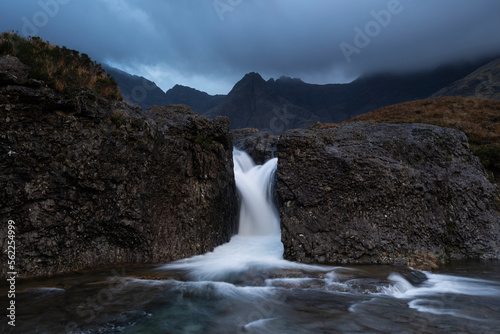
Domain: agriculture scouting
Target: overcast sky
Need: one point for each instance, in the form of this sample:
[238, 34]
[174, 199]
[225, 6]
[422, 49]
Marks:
[211, 44]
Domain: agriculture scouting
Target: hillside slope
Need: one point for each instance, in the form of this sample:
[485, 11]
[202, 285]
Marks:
[339, 102]
[137, 90]
[199, 101]
[483, 82]
[65, 71]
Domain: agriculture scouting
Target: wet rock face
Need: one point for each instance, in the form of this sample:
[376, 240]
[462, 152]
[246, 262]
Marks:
[91, 182]
[261, 146]
[384, 193]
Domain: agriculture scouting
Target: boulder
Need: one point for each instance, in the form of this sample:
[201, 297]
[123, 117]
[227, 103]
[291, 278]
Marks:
[384, 193]
[13, 71]
[91, 182]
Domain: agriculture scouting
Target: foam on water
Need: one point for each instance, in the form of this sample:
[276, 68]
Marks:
[437, 307]
[257, 248]
[258, 215]
[258, 326]
[240, 254]
[258, 242]
[430, 296]
[438, 284]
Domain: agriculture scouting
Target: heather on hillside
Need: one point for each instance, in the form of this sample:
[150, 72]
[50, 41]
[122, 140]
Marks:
[64, 70]
[478, 118]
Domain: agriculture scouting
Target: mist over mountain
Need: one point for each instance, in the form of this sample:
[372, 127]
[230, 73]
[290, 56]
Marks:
[277, 105]
[145, 93]
[339, 102]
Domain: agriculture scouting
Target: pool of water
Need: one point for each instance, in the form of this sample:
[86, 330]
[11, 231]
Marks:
[463, 297]
[245, 286]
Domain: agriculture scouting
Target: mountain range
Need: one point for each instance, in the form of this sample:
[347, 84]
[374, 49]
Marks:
[280, 104]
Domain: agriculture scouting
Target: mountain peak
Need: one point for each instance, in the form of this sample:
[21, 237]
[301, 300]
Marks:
[199, 101]
[287, 79]
[253, 103]
[251, 79]
[178, 86]
[253, 75]
[182, 88]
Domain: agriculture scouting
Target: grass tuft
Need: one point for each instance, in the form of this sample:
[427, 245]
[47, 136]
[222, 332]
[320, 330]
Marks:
[66, 71]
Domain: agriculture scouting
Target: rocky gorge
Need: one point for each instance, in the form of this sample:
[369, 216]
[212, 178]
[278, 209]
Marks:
[92, 182]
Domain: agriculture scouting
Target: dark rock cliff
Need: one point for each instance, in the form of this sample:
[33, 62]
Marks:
[91, 182]
[384, 193]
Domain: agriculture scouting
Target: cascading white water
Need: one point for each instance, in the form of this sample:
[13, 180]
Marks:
[258, 242]
[257, 246]
[246, 286]
[258, 215]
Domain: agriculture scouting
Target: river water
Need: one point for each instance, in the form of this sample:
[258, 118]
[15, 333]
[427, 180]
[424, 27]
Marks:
[245, 286]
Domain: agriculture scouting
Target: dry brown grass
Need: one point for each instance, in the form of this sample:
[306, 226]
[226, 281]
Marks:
[478, 118]
[423, 261]
[66, 71]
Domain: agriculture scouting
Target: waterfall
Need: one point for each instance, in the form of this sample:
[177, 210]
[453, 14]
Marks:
[258, 242]
[258, 214]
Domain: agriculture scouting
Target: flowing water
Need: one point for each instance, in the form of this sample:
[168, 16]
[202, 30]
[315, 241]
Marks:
[245, 286]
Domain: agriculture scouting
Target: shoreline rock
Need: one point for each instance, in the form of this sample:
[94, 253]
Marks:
[91, 182]
[367, 193]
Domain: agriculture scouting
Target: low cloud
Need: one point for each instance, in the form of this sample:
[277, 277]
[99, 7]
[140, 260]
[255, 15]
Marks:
[210, 45]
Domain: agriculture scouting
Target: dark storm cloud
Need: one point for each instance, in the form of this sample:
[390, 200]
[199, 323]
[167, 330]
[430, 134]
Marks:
[210, 44]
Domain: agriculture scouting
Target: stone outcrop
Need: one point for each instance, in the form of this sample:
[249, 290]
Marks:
[384, 193]
[13, 71]
[261, 146]
[91, 182]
